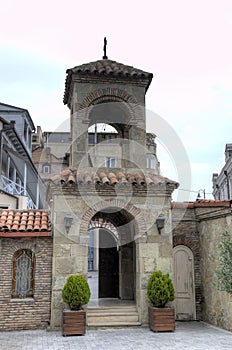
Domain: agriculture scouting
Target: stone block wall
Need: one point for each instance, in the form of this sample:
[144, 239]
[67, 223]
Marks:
[27, 313]
[217, 305]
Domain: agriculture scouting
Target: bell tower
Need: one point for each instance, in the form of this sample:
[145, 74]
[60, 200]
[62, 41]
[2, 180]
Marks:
[111, 93]
[117, 204]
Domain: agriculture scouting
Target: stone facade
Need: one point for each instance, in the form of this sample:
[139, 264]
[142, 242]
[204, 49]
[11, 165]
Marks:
[26, 313]
[152, 250]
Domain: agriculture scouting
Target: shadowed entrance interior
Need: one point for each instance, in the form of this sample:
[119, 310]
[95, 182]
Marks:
[111, 257]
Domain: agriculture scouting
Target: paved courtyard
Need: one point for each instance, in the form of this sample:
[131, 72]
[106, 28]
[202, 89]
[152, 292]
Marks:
[191, 336]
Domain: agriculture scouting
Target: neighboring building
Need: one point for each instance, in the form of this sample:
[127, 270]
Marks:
[51, 150]
[222, 183]
[18, 175]
[25, 269]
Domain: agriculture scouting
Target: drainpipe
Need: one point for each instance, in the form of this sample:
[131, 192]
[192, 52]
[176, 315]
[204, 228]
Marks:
[228, 184]
[25, 180]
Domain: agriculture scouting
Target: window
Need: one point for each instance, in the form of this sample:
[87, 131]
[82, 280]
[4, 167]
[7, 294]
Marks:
[150, 162]
[46, 169]
[23, 274]
[25, 132]
[91, 139]
[110, 162]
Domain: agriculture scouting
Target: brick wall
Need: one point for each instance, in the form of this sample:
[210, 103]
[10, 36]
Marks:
[28, 313]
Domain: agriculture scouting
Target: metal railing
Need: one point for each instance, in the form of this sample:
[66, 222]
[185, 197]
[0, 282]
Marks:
[14, 188]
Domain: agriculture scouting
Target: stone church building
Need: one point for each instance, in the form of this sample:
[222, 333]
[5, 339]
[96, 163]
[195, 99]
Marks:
[112, 213]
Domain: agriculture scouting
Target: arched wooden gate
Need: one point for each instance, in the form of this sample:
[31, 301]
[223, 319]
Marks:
[185, 307]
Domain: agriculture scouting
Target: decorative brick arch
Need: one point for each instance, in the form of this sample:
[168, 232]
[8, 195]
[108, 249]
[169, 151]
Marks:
[115, 203]
[111, 95]
[186, 241]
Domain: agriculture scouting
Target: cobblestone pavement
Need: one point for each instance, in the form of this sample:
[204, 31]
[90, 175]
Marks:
[188, 336]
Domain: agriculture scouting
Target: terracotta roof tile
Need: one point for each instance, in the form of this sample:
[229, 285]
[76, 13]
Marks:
[212, 203]
[24, 221]
[107, 177]
[201, 203]
[109, 67]
[105, 68]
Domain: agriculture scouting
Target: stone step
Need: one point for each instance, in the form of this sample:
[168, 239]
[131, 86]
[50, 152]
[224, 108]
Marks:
[112, 316]
[113, 324]
[111, 310]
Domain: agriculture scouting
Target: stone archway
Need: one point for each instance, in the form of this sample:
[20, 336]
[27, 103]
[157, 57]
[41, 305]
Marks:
[120, 257]
[129, 211]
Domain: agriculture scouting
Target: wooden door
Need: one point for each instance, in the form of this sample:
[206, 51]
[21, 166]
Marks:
[185, 308]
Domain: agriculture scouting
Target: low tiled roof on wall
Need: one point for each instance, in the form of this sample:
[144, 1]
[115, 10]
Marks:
[110, 177]
[24, 221]
[202, 203]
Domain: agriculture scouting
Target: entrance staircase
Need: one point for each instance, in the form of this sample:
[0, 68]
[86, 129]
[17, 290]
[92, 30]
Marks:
[113, 316]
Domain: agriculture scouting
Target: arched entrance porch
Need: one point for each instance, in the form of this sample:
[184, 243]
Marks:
[111, 255]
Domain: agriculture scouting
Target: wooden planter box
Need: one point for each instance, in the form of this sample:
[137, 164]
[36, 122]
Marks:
[161, 319]
[74, 322]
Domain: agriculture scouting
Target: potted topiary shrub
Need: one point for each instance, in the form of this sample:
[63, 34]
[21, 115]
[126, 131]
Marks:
[75, 293]
[160, 291]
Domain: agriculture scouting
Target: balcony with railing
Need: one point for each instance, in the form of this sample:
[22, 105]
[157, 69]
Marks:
[16, 189]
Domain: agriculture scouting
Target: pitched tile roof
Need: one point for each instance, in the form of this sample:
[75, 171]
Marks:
[107, 68]
[24, 221]
[111, 177]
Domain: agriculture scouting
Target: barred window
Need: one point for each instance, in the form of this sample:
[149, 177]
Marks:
[23, 274]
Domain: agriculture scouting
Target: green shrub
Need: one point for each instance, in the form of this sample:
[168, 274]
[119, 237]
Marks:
[76, 292]
[160, 289]
[224, 272]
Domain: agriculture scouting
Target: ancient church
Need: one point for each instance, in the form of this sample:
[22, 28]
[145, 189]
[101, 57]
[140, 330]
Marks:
[111, 216]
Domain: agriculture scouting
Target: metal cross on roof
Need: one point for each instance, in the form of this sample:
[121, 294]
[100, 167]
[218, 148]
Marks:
[104, 48]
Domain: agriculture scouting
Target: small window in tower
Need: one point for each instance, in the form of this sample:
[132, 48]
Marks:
[150, 162]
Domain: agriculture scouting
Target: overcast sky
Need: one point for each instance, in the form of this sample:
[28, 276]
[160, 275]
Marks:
[186, 44]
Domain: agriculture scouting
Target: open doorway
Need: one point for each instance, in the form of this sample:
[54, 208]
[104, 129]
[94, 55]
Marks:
[111, 255]
[103, 264]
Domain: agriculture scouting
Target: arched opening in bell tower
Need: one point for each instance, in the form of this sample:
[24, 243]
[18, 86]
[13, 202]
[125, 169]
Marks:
[112, 133]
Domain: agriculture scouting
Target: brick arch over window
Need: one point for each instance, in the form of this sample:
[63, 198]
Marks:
[112, 95]
[114, 203]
